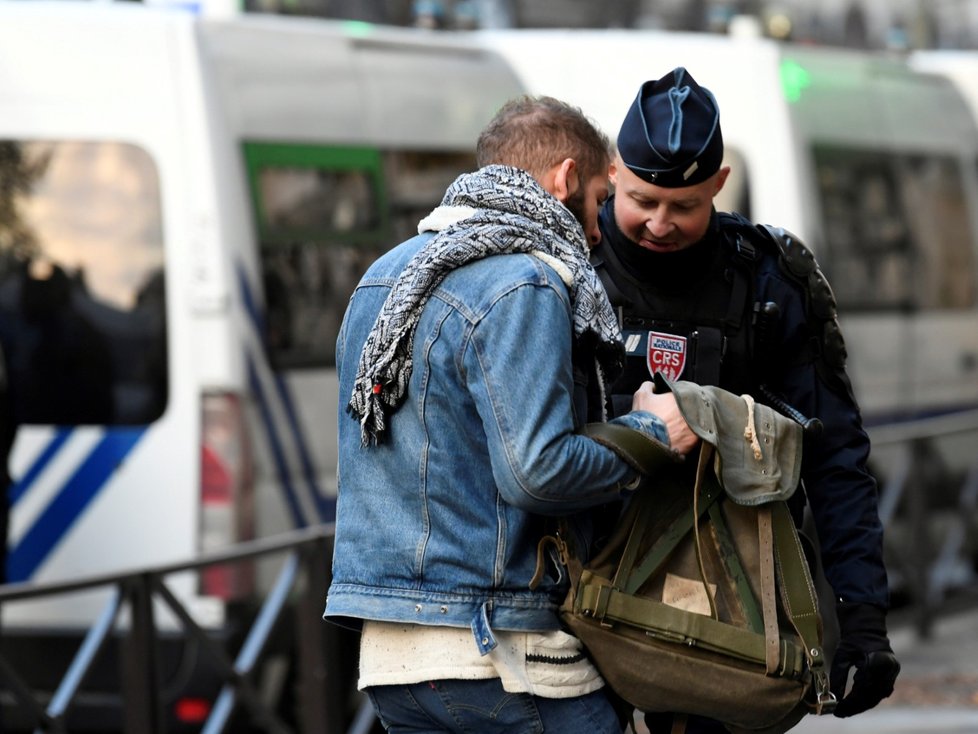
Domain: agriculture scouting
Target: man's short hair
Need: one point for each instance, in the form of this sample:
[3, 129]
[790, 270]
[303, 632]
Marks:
[537, 133]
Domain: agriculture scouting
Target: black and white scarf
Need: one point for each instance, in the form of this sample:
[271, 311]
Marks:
[494, 211]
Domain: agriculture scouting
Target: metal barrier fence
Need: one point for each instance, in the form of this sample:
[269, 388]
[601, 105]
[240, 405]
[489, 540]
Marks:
[300, 585]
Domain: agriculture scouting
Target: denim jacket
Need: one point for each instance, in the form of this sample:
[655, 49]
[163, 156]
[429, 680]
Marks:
[439, 523]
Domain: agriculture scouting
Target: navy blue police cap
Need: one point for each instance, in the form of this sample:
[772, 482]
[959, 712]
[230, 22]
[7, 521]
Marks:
[671, 133]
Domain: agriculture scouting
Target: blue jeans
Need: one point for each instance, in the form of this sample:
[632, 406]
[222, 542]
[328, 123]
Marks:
[483, 707]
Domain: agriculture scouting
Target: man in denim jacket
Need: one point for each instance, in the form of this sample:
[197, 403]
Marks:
[465, 356]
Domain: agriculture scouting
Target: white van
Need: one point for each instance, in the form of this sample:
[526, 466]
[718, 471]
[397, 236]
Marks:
[185, 206]
[958, 65]
[871, 164]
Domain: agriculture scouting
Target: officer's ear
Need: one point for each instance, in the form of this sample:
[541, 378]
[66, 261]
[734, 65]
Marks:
[562, 180]
[721, 179]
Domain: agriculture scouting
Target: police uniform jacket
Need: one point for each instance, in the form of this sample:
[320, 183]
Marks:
[737, 311]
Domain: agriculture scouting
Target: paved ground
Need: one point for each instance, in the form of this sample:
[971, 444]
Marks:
[895, 720]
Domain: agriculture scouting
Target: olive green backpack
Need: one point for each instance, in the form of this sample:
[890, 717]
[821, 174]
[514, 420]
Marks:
[702, 601]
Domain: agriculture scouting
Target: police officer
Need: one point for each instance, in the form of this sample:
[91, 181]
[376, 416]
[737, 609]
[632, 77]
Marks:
[712, 298]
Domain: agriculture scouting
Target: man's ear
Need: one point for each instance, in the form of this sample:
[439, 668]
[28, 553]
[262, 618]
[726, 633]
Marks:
[564, 180]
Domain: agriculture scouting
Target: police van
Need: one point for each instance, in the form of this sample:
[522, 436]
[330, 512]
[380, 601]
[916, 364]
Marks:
[186, 203]
[870, 162]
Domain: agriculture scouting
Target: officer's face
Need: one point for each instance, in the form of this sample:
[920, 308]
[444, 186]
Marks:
[662, 219]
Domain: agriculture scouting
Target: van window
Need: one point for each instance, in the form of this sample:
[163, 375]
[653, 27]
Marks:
[82, 303]
[897, 233]
[323, 216]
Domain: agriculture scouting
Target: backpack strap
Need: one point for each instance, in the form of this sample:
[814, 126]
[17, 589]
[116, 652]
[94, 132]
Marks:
[608, 606]
[800, 602]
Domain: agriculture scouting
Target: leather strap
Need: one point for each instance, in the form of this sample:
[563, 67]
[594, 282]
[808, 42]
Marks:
[800, 602]
[769, 604]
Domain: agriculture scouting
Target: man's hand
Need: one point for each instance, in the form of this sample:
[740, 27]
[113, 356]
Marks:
[863, 645]
[681, 436]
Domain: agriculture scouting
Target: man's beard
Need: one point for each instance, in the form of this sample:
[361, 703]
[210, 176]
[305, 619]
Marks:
[575, 204]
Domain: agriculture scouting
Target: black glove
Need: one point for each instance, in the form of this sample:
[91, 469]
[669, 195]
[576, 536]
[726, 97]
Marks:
[863, 644]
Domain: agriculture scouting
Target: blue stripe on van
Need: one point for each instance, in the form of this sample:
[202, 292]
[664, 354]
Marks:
[78, 492]
[275, 445]
[20, 487]
[325, 509]
[248, 298]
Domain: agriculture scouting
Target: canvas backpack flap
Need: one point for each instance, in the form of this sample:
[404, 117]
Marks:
[758, 450]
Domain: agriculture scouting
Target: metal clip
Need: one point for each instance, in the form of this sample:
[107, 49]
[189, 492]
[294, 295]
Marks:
[825, 703]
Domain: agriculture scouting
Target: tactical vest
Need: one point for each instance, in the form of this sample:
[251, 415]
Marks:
[703, 334]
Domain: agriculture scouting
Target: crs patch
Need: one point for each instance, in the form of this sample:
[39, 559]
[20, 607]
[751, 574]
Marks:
[666, 354]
